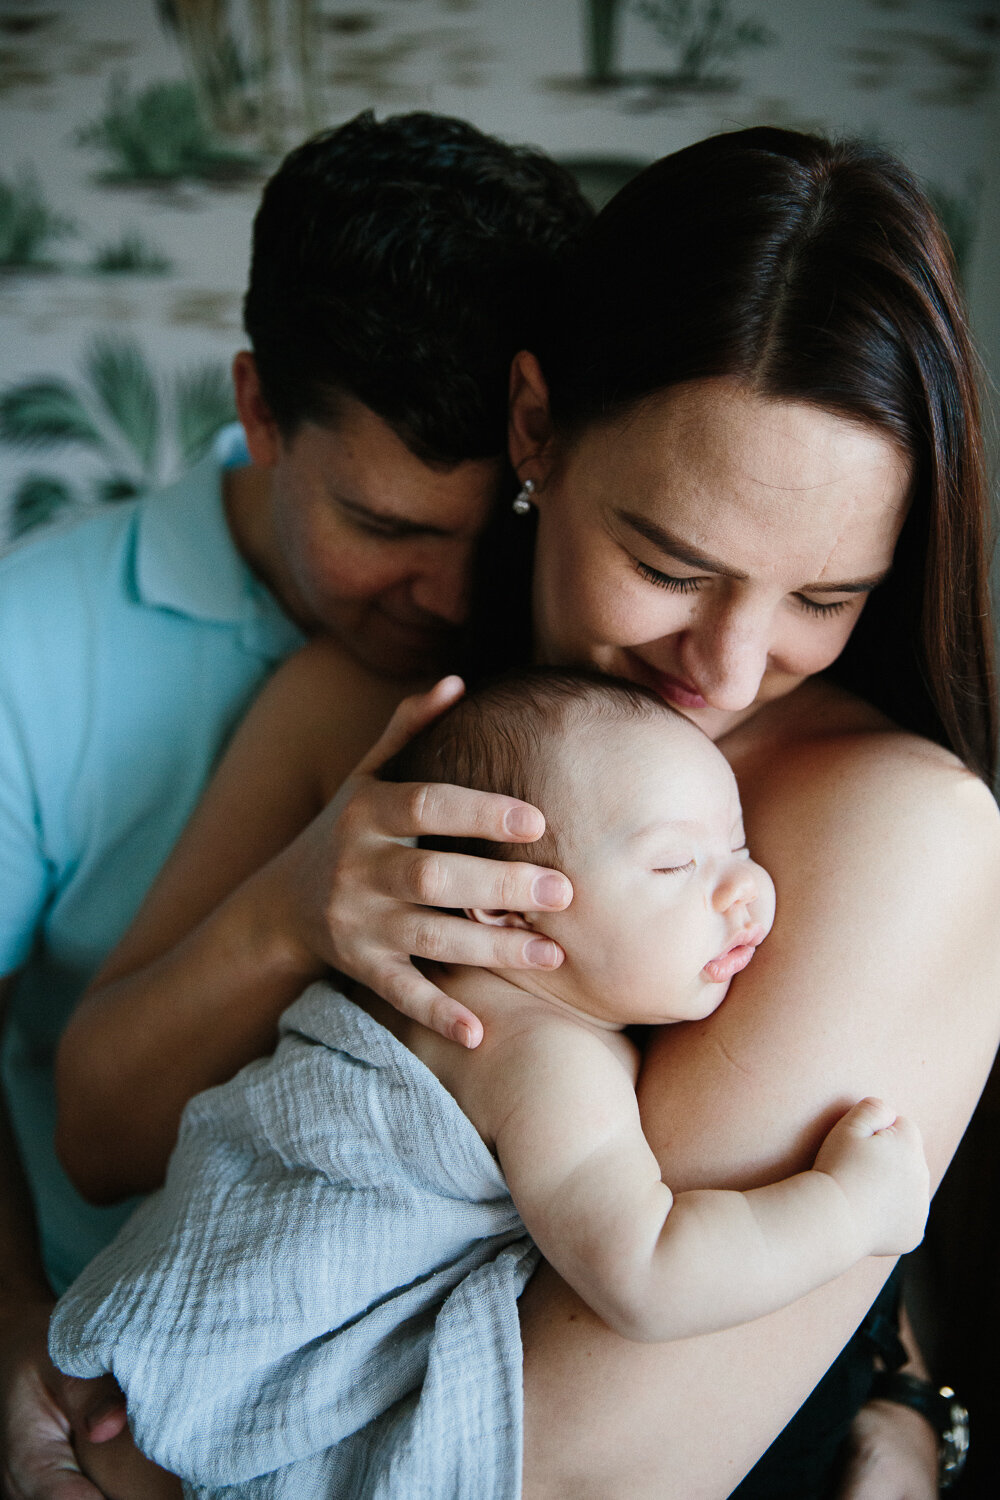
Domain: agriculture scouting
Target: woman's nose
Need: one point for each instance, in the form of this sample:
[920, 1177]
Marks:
[726, 655]
[737, 885]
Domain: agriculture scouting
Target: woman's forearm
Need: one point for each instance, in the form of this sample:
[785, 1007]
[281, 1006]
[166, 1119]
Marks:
[681, 1421]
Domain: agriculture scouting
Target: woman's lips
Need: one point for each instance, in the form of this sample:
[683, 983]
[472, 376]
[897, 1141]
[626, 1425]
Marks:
[735, 956]
[681, 694]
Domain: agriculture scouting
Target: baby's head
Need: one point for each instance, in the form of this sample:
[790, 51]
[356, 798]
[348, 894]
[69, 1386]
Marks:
[642, 814]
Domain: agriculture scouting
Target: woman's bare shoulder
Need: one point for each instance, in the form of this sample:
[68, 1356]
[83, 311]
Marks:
[844, 765]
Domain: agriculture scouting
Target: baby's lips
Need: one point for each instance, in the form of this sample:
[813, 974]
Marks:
[736, 956]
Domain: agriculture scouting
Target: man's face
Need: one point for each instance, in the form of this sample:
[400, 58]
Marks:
[667, 902]
[367, 543]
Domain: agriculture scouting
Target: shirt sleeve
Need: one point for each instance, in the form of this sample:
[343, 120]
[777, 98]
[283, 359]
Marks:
[25, 871]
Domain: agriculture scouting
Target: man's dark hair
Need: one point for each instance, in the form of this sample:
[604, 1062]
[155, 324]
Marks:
[500, 739]
[404, 262]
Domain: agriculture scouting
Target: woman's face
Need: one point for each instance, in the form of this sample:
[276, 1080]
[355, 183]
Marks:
[714, 544]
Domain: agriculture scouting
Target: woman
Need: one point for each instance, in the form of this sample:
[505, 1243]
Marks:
[755, 407]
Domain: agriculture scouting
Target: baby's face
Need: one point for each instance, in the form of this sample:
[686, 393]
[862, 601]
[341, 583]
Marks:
[667, 904]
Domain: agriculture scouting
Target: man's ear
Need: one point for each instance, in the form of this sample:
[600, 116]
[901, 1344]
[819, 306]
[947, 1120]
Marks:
[263, 437]
[530, 432]
[498, 918]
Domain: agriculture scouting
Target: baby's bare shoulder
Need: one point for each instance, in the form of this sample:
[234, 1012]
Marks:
[544, 1061]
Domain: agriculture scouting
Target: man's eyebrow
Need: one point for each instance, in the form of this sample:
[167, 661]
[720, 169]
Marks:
[402, 525]
[660, 537]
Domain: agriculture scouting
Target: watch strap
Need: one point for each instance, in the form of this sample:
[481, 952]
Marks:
[942, 1409]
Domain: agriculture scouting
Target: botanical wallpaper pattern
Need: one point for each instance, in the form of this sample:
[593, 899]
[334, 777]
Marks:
[136, 135]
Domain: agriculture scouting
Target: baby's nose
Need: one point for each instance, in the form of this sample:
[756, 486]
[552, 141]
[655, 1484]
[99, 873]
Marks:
[737, 884]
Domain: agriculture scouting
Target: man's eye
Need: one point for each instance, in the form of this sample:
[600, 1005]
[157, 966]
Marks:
[376, 528]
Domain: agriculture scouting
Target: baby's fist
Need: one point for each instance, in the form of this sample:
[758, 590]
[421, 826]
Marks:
[877, 1158]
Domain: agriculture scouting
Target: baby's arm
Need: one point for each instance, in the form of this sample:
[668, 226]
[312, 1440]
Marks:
[656, 1267]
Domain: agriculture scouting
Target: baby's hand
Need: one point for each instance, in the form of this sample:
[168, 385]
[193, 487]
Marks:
[877, 1158]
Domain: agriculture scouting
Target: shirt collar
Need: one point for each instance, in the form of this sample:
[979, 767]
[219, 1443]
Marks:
[185, 561]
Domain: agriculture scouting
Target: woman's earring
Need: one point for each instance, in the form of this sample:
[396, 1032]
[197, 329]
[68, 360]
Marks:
[522, 500]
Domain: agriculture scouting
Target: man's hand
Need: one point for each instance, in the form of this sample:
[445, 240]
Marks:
[894, 1455]
[359, 896]
[40, 1408]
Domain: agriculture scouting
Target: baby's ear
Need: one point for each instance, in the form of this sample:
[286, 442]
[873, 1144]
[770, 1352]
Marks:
[497, 918]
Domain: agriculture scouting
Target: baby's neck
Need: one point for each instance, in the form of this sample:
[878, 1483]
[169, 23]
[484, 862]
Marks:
[498, 994]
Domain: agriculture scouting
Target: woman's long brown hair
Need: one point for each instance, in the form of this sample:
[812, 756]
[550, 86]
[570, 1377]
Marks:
[815, 271]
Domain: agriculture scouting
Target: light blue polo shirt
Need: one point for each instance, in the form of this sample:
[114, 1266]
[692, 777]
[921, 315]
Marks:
[131, 643]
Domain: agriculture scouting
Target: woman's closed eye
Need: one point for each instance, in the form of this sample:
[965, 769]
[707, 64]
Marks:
[678, 585]
[813, 607]
[666, 580]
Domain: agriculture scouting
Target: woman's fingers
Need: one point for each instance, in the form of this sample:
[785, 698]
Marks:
[412, 715]
[456, 940]
[411, 993]
[462, 882]
[419, 809]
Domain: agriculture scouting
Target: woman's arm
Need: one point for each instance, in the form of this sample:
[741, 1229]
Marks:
[267, 888]
[657, 1267]
[882, 975]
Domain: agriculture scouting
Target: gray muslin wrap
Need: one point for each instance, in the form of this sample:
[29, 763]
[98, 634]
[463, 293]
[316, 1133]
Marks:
[322, 1299]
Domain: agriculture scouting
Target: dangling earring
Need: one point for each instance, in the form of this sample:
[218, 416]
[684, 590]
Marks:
[522, 500]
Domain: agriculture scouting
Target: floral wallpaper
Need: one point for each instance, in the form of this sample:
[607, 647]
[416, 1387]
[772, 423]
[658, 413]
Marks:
[137, 133]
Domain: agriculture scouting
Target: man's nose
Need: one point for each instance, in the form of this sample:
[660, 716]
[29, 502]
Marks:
[727, 654]
[443, 588]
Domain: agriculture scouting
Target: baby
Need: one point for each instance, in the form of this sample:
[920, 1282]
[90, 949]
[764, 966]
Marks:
[334, 1260]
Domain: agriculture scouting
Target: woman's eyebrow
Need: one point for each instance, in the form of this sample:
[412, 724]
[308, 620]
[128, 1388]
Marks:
[681, 552]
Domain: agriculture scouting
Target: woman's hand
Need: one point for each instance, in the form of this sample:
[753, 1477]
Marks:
[360, 897]
[41, 1408]
[894, 1455]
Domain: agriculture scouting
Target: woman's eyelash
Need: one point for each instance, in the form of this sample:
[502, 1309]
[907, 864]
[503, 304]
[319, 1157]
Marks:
[812, 608]
[665, 580]
[691, 585]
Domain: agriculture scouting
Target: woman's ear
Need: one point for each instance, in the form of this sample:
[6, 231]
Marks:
[262, 435]
[498, 918]
[529, 429]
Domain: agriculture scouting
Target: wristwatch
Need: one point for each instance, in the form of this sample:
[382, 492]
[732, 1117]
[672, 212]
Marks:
[943, 1410]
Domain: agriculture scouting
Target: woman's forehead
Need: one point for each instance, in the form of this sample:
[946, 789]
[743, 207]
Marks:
[724, 470]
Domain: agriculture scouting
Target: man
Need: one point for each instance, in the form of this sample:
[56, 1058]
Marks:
[397, 267]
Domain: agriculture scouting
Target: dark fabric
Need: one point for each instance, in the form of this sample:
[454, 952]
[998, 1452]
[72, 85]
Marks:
[804, 1460]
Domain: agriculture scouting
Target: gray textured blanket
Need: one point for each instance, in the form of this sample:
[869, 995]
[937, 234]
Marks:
[322, 1300]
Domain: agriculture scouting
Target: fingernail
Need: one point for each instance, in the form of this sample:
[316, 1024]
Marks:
[541, 953]
[462, 1034]
[100, 1413]
[549, 890]
[522, 822]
